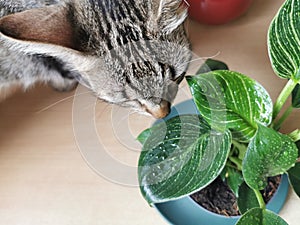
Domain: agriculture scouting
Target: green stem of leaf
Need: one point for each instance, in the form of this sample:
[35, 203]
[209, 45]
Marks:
[231, 165]
[237, 162]
[241, 147]
[295, 135]
[285, 93]
[260, 199]
[285, 115]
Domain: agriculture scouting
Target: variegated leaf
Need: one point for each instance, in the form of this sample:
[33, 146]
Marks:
[284, 41]
[231, 100]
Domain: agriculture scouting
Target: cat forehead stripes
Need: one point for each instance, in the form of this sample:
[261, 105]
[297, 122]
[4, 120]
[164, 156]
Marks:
[130, 53]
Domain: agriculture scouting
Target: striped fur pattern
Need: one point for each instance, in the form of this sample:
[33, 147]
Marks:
[129, 52]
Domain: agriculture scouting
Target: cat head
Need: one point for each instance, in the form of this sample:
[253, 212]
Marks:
[131, 53]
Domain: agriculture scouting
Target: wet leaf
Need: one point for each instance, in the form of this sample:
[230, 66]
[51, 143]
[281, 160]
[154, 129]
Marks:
[231, 100]
[246, 198]
[258, 216]
[269, 153]
[234, 180]
[144, 136]
[180, 157]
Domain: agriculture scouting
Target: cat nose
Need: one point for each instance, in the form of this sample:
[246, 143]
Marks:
[161, 110]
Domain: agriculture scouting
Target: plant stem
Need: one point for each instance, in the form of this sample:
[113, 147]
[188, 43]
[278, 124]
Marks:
[230, 164]
[241, 147]
[260, 199]
[237, 162]
[285, 93]
[295, 135]
[285, 115]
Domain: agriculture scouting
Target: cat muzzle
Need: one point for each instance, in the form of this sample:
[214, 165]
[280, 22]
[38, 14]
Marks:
[159, 111]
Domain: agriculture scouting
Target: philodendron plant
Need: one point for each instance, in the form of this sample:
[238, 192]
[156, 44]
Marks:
[236, 134]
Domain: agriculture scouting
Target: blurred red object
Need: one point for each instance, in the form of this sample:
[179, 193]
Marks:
[215, 12]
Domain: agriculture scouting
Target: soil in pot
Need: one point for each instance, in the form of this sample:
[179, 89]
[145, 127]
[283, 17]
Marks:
[218, 197]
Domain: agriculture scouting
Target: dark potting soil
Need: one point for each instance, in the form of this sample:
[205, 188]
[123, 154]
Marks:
[218, 198]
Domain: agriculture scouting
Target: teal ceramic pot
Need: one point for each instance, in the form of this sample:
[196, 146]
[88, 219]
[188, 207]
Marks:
[186, 211]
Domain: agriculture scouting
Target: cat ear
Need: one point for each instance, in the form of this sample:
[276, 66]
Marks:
[46, 32]
[69, 59]
[169, 14]
[44, 25]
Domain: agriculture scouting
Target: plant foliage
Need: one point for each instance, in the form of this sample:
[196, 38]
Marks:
[236, 136]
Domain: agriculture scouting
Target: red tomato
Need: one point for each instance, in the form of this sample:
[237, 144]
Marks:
[217, 11]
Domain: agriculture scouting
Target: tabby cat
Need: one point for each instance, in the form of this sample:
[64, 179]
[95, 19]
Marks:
[128, 52]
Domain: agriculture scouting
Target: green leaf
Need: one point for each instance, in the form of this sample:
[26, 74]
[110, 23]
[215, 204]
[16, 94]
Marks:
[246, 198]
[294, 177]
[211, 65]
[284, 41]
[295, 136]
[180, 157]
[269, 153]
[228, 99]
[258, 216]
[296, 97]
[144, 136]
[234, 180]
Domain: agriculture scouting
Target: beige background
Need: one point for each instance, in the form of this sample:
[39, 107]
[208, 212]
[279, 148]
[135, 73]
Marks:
[45, 180]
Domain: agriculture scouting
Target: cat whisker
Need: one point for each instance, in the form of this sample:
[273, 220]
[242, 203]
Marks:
[131, 112]
[213, 56]
[124, 117]
[60, 101]
[195, 60]
[187, 4]
[202, 58]
[99, 113]
[93, 104]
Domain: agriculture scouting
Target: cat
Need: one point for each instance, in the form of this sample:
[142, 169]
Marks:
[133, 53]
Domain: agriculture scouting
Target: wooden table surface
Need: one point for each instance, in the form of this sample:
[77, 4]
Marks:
[44, 175]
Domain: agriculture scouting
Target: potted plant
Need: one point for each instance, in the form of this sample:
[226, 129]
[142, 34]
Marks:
[235, 134]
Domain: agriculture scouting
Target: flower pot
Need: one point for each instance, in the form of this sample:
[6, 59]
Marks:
[186, 211]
